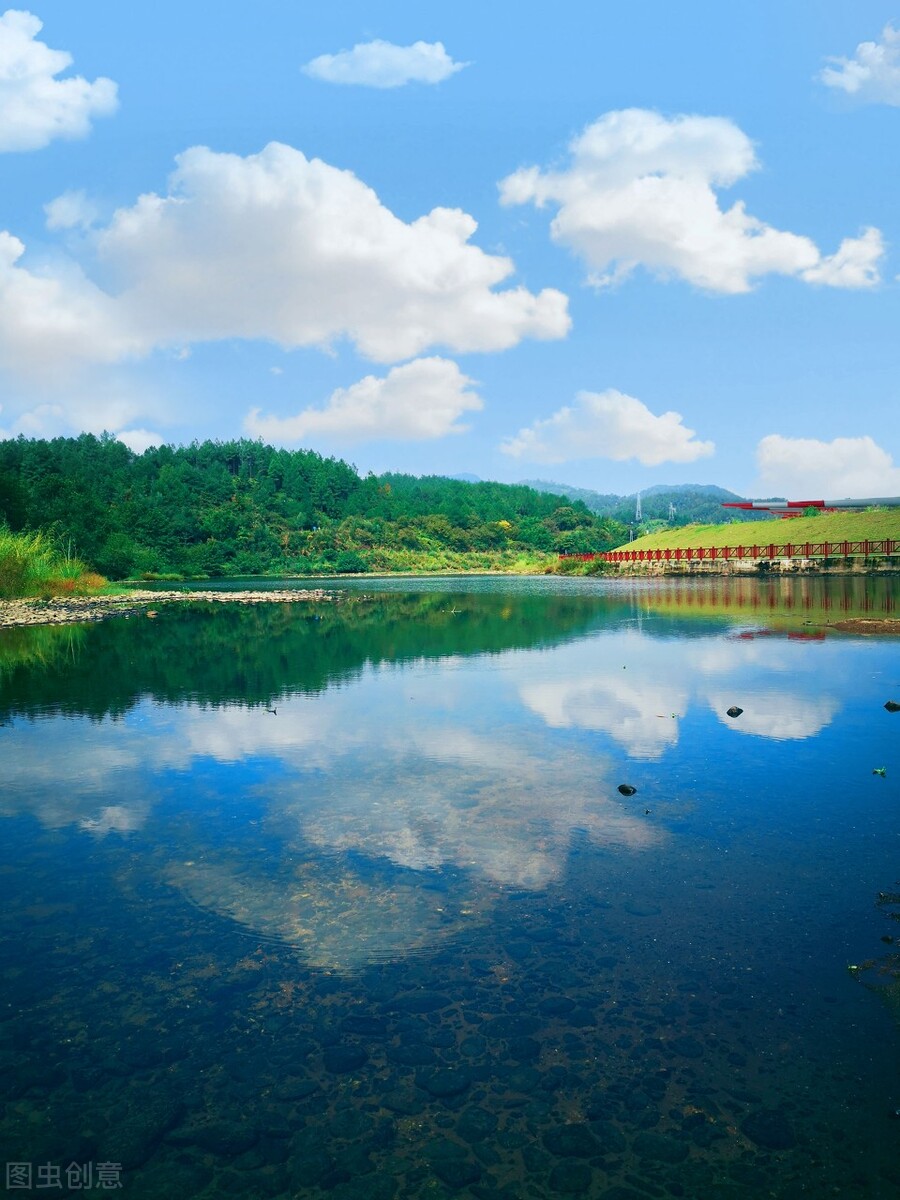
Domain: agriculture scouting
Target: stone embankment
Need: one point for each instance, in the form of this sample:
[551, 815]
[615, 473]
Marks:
[64, 610]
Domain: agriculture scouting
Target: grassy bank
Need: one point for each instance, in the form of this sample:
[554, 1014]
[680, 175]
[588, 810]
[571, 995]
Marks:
[33, 565]
[874, 524]
[383, 560]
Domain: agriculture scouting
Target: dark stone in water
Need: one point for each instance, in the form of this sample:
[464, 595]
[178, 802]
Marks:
[556, 1077]
[350, 1124]
[769, 1130]
[442, 1038]
[402, 1101]
[342, 1059]
[446, 1081]
[571, 1141]
[523, 1079]
[456, 1172]
[295, 1089]
[226, 1139]
[138, 1131]
[612, 1140]
[380, 1187]
[626, 789]
[476, 1124]
[420, 1002]
[571, 1179]
[311, 1168]
[508, 1026]
[473, 1047]
[658, 1147]
[524, 1049]
[734, 711]
[368, 1026]
[687, 1046]
[416, 1055]
[557, 1006]
[892, 706]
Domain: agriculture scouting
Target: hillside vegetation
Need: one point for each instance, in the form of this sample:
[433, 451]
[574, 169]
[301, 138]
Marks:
[245, 508]
[873, 524]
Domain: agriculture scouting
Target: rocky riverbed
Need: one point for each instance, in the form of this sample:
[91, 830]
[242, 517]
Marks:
[880, 625]
[63, 610]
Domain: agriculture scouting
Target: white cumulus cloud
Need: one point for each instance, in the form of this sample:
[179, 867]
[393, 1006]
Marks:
[382, 64]
[35, 106]
[872, 74]
[641, 190]
[611, 425]
[273, 246]
[53, 318]
[808, 469]
[282, 247]
[419, 400]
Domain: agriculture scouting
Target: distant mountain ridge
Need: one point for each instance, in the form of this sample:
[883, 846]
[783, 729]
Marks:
[693, 502]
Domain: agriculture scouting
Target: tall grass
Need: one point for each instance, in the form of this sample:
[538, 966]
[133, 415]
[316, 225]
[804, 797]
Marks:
[34, 565]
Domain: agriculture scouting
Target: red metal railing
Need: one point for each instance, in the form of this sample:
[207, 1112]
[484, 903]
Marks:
[866, 549]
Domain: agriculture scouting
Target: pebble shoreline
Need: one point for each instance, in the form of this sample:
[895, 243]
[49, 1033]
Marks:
[64, 610]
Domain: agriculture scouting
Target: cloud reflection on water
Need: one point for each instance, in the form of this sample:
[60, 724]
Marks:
[475, 771]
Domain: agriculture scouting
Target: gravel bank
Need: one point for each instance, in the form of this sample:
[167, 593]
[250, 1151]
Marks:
[65, 610]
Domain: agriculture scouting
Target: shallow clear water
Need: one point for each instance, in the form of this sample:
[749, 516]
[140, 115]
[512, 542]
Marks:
[343, 899]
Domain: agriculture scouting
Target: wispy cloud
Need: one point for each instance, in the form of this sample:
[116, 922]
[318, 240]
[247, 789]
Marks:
[872, 75]
[381, 64]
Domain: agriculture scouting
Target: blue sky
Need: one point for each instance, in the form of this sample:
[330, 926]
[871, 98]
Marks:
[603, 246]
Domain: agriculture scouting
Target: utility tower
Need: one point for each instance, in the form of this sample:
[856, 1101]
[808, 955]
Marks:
[671, 511]
[637, 509]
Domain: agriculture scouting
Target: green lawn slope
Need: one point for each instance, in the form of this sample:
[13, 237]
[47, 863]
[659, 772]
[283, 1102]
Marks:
[873, 524]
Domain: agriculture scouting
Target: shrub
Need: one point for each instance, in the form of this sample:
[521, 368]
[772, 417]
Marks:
[348, 562]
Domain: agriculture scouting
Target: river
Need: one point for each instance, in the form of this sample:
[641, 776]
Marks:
[455, 888]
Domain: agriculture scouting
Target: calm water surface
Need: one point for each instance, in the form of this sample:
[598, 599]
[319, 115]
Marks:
[343, 899]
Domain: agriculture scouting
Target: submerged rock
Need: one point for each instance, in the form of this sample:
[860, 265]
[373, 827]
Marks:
[446, 1081]
[340, 1060]
[769, 1130]
[571, 1141]
[892, 706]
[570, 1179]
[626, 789]
[734, 711]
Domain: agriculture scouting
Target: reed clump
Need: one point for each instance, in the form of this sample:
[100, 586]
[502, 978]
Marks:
[36, 565]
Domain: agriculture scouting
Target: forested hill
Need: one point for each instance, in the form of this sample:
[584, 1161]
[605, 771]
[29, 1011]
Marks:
[241, 507]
